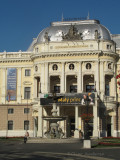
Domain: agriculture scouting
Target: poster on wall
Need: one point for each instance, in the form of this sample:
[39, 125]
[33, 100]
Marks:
[11, 84]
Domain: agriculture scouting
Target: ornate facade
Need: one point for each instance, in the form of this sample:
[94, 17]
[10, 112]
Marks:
[70, 58]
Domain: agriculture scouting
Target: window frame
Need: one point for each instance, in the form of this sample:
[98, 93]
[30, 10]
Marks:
[10, 125]
[74, 89]
[27, 72]
[57, 90]
[27, 94]
[10, 110]
[91, 89]
[26, 126]
[26, 110]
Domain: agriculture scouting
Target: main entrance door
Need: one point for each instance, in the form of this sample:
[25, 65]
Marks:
[72, 126]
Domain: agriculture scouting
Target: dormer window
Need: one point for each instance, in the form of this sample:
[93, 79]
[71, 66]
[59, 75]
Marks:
[109, 46]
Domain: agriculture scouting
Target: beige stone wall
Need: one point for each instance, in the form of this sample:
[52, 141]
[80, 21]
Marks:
[18, 117]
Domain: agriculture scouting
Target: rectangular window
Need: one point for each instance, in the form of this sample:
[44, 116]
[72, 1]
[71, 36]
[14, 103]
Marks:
[10, 125]
[57, 89]
[27, 72]
[73, 89]
[107, 90]
[89, 88]
[10, 111]
[26, 125]
[27, 91]
[26, 110]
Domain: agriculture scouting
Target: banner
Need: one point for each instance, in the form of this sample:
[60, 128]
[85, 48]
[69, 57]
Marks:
[11, 84]
[70, 99]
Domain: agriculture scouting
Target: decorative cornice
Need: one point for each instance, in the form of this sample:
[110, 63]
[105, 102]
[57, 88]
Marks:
[73, 53]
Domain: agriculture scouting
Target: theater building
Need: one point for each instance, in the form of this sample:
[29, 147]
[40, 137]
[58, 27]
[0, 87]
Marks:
[72, 59]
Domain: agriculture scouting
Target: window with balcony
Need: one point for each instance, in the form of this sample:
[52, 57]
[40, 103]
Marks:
[10, 125]
[73, 88]
[107, 90]
[57, 89]
[27, 91]
[89, 88]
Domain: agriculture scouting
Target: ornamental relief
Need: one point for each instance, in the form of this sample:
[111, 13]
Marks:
[71, 67]
[54, 67]
[108, 66]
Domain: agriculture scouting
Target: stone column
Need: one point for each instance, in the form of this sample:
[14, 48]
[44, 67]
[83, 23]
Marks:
[19, 86]
[40, 122]
[114, 82]
[97, 77]
[3, 86]
[44, 122]
[46, 78]
[63, 78]
[42, 78]
[79, 79]
[58, 109]
[35, 88]
[95, 122]
[76, 133]
[102, 80]
[35, 127]
[112, 126]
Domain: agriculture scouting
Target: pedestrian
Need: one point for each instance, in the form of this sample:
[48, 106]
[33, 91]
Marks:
[26, 137]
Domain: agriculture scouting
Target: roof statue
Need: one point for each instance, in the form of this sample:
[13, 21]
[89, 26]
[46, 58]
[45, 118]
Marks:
[97, 35]
[72, 34]
[46, 37]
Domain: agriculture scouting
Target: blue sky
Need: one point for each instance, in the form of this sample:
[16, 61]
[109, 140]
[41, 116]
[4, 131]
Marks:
[22, 20]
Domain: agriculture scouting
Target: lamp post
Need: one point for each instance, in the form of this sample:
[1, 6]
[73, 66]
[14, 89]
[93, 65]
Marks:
[86, 141]
[86, 129]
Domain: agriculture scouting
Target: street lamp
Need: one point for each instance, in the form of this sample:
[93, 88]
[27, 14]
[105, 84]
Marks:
[86, 127]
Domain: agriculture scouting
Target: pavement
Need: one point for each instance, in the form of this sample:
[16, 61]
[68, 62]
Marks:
[54, 149]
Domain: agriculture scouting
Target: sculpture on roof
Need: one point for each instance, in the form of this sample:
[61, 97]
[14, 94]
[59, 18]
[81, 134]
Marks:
[72, 34]
[97, 34]
[46, 37]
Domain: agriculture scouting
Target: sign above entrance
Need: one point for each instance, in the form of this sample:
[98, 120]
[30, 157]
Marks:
[69, 99]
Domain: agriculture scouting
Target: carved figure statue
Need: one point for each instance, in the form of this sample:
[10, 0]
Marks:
[46, 37]
[97, 35]
[72, 34]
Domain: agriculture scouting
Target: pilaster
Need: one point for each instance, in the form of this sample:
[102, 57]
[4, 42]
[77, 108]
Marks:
[42, 78]
[102, 80]
[97, 77]
[46, 78]
[4, 86]
[19, 85]
[63, 78]
[79, 78]
[76, 133]
[40, 122]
